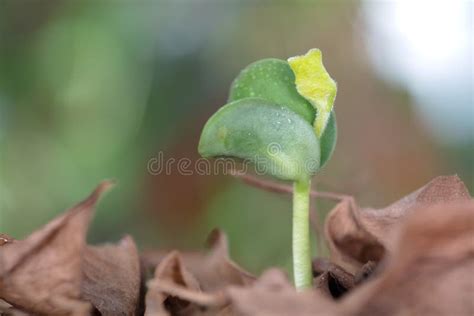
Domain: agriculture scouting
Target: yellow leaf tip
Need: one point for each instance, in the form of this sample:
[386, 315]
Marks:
[315, 85]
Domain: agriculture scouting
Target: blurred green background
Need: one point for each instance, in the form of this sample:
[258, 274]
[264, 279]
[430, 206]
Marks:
[94, 89]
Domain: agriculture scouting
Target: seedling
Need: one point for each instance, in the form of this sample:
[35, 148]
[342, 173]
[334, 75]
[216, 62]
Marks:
[280, 117]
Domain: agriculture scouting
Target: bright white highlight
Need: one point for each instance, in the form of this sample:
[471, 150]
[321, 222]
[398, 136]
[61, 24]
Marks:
[426, 47]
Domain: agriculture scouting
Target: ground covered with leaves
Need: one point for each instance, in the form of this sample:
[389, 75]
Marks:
[414, 257]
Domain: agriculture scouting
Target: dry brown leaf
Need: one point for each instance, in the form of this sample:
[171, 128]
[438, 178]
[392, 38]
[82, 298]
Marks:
[42, 274]
[273, 295]
[332, 280]
[356, 236]
[422, 248]
[213, 269]
[193, 283]
[8, 310]
[170, 271]
[368, 270]
[111, 280]
[431, 268]
[175, 291]
[218, 269]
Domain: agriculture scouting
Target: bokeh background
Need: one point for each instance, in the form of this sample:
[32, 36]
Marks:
[94, 89]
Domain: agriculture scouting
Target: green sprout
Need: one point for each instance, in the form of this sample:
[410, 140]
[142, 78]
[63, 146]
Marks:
[280, 117]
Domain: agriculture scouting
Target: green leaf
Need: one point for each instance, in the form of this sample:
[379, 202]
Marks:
[273, 80]
[314, 83]
[276, 140]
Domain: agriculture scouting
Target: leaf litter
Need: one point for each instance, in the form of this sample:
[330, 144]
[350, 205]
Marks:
[413, 257]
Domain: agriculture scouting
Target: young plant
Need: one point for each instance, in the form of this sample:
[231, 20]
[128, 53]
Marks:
[279, 116]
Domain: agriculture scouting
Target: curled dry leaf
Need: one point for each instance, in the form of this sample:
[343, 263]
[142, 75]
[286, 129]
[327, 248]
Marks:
[430, 269]
[421, 247]
[218, 269]
[169, 272]
[428, 272]
[331, 279]
[213, 269]
[192, 284]
[111, 277]
[175, 291]
[334, 281]
[42, 274]
[356, 236]
[273, 295]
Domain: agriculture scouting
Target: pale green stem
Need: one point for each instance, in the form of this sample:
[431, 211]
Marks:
[302, 271]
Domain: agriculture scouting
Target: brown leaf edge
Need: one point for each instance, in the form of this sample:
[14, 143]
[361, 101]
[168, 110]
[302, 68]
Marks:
[112, 277]
[331, 279]
[175, 291]
[273, 295]
[197, 279]
[357, 235]
[430, 270]
[42, 273]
